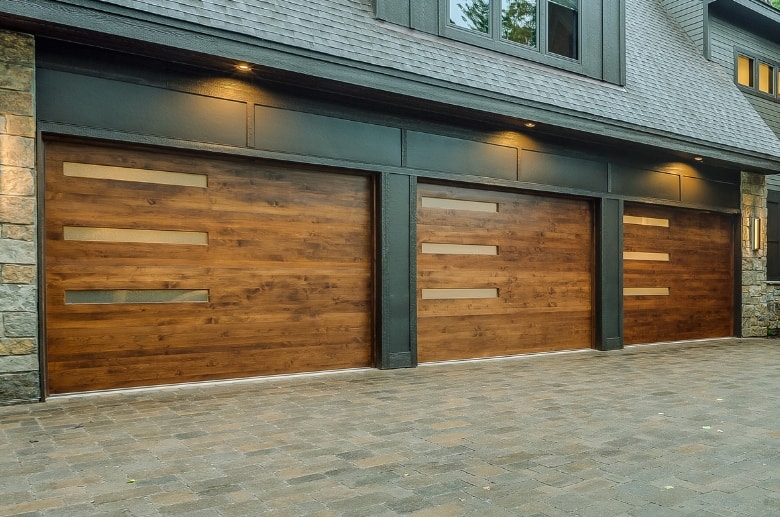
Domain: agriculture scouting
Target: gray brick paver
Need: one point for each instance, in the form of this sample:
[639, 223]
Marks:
[660, 430]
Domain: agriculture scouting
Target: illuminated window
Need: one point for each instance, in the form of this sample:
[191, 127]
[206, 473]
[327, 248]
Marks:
[757, 75]
[766, 75]
[745, 71]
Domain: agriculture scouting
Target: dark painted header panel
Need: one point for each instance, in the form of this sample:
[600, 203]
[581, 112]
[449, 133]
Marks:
[106, 104]
[292, 128]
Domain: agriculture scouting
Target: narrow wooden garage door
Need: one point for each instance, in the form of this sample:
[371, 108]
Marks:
[166, 268]
[678, 274]
[502, 273]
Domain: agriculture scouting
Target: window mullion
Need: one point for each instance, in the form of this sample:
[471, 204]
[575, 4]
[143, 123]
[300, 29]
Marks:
[495, 19]
[541, 26]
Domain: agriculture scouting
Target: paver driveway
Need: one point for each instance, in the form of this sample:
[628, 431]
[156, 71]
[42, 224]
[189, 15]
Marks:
[682, 429]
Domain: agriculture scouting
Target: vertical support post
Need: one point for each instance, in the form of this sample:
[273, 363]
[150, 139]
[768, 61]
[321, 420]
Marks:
[754, 295]
[19, 360]
[396, 272]
[609, 280]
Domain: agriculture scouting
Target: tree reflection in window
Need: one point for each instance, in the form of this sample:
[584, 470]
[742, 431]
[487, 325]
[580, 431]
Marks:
[471, 14]
[519, 22]
[518, 18]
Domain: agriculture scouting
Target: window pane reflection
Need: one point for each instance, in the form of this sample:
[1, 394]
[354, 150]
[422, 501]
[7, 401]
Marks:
[471, 14]
[562, 38]
[518, 21]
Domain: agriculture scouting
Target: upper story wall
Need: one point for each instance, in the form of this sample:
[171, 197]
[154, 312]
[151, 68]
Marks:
[728, 39]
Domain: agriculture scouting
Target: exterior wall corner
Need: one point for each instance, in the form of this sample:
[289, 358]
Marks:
[19, 358]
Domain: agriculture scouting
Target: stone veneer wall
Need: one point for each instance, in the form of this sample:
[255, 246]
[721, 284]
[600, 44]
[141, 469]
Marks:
[755, 299]
[19, 364]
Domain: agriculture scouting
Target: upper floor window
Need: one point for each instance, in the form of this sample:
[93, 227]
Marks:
[585, 37]
[546, 26]
[758, 75]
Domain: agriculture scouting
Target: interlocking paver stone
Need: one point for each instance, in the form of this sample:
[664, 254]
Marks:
[687, 429]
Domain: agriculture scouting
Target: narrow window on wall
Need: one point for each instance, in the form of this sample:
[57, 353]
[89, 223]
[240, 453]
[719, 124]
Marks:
[745, 71]
[562, 25]
[766, 76]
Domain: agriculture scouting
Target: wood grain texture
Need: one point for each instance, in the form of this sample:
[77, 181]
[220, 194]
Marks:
[699, 275]
[288, 268]
[543, 273]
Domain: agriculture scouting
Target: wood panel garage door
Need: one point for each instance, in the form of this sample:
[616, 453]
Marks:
[166, 268]
[678, 268]
[502, 273]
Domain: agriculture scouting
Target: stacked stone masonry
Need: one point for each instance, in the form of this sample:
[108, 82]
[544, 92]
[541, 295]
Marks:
[19, 363]
[755, 293]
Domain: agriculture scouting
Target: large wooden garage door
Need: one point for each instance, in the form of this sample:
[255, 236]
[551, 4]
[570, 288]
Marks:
[502, 273]
[678, 268]
[166, 268]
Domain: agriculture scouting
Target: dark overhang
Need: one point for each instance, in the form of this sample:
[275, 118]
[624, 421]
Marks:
[754, 16]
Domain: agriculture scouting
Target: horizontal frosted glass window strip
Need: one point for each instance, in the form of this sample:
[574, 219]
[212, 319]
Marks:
[137, 296]
[106, 172]
[458, 249]
[86, 233]
[641, 255]
[645, 221]
[458, 294]
[459, 204]
[646, 291]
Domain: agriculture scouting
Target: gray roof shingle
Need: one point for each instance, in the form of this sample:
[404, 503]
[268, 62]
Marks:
[671, 90]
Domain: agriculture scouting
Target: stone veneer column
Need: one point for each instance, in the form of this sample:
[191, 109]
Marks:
[755, 317]
[19, 364]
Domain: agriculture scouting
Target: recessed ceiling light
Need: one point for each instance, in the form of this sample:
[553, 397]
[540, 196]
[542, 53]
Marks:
[698, 158]
[529, 124]
[243, 67]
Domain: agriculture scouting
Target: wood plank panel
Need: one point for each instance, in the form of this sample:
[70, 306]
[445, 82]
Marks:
[287, 265]
[542, 273]
[699, 275]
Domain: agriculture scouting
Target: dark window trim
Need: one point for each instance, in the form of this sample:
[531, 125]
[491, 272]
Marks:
[757, 60]
[601, 35]
[538, 53]
[773, 241]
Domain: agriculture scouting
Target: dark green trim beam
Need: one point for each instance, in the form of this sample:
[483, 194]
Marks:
[298, 132]
[457, 155]
[397, 272]
[609, 275]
